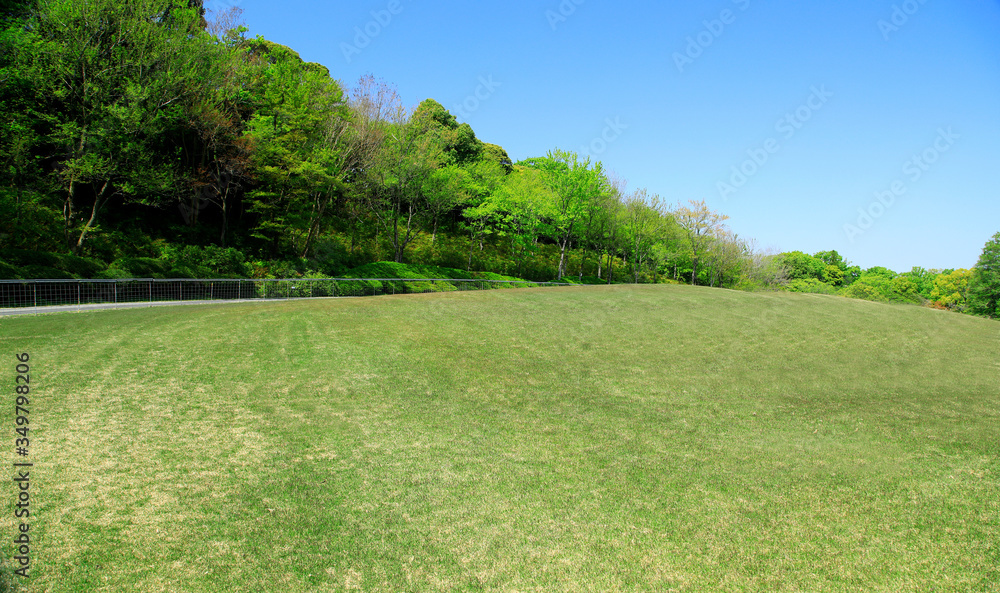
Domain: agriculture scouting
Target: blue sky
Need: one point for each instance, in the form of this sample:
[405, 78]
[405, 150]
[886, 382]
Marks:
[796, 119]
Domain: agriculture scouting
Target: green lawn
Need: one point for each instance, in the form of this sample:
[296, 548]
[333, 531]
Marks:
[650, 438]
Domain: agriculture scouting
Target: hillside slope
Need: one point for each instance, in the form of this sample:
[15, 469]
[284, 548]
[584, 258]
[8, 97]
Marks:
[623, 438]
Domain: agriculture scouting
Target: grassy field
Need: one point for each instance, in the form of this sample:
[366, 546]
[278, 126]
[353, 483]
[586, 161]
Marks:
[650, 438]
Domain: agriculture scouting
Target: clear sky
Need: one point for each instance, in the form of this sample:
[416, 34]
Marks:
[867, 126]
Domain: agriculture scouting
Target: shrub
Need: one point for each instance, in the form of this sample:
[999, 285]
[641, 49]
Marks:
[809, 285]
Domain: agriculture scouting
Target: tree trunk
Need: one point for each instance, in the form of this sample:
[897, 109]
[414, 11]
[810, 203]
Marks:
[562, 257]
[317, 220]
[68, 209]
[98, 202]
[225, 217]
[472, 243]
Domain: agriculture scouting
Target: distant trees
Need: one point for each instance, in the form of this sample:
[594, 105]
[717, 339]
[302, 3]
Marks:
[948, 289]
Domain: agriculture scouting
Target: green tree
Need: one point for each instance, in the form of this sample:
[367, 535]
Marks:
[949, 289]
[397, 171]
[701, 225]
[883, 285]
[643, 222]
[520, 210]
[113, 78]
[301, 155]
[575, 185]
[445, 190]
[923, 279]
[487, 175]
[800, 265]
[984, 286]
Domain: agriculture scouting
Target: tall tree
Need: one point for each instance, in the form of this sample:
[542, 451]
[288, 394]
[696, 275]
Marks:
[575, 185]
[700, 225]
[521, 209]
[609, 219]
[984, 287]
[395, 174]
[302, 153]
[642, 223]
[949, 289]
[114, 77]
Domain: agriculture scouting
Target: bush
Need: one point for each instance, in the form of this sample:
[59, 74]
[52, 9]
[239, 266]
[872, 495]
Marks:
[9, 272]
[44, 273]
[877, 285]
[809, 285]
[207, 262]
[147, 267]
[45, 265]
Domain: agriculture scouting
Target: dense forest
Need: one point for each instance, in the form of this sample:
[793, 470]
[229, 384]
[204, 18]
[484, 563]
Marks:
[150, 138]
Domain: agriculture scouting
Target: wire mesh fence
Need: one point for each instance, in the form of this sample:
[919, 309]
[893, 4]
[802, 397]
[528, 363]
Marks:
[20, 294]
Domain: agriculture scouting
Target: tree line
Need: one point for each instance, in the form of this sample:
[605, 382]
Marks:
[973, 290]
[148, 131]
[139, 124]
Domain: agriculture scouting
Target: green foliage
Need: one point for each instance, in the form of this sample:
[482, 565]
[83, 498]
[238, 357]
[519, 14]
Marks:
[457, 141]
[831, 258]
[833, 275]
[948, 289]
[575, 186]
[9, 272]
[300, 153]
[883, 285]
[133, 136]
[923, 279]
[801, 266]
[390, 270]
[413, 271]
[984, 286]
[46, 265]
[148, 267]
[880, 271]
[809, 285]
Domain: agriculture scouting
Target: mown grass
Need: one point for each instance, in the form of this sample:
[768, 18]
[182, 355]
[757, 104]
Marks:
[650, 438]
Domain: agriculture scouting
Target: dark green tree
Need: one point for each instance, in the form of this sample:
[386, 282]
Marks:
[984, 288]
[110, 81]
